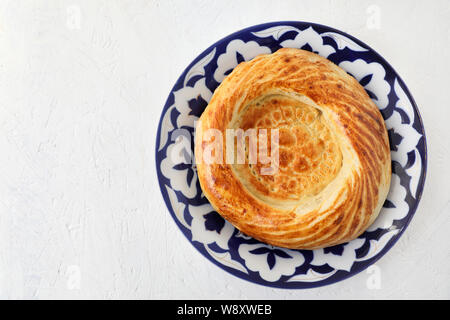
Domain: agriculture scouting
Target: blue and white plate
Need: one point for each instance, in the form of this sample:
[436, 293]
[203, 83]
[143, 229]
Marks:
[242, 255]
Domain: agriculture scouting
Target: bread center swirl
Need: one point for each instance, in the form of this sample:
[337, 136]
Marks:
[309, 156]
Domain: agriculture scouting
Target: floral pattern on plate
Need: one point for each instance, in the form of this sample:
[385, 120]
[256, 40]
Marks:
[242, 255]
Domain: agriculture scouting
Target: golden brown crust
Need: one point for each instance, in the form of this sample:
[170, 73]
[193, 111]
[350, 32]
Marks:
[334, 159]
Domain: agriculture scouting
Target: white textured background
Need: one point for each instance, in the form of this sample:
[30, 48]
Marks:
[82, 86]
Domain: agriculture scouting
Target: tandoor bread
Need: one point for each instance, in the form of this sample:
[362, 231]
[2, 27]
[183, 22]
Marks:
[332, 170]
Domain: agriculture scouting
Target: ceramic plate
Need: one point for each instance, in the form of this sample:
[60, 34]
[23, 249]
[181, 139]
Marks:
[242, 255]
